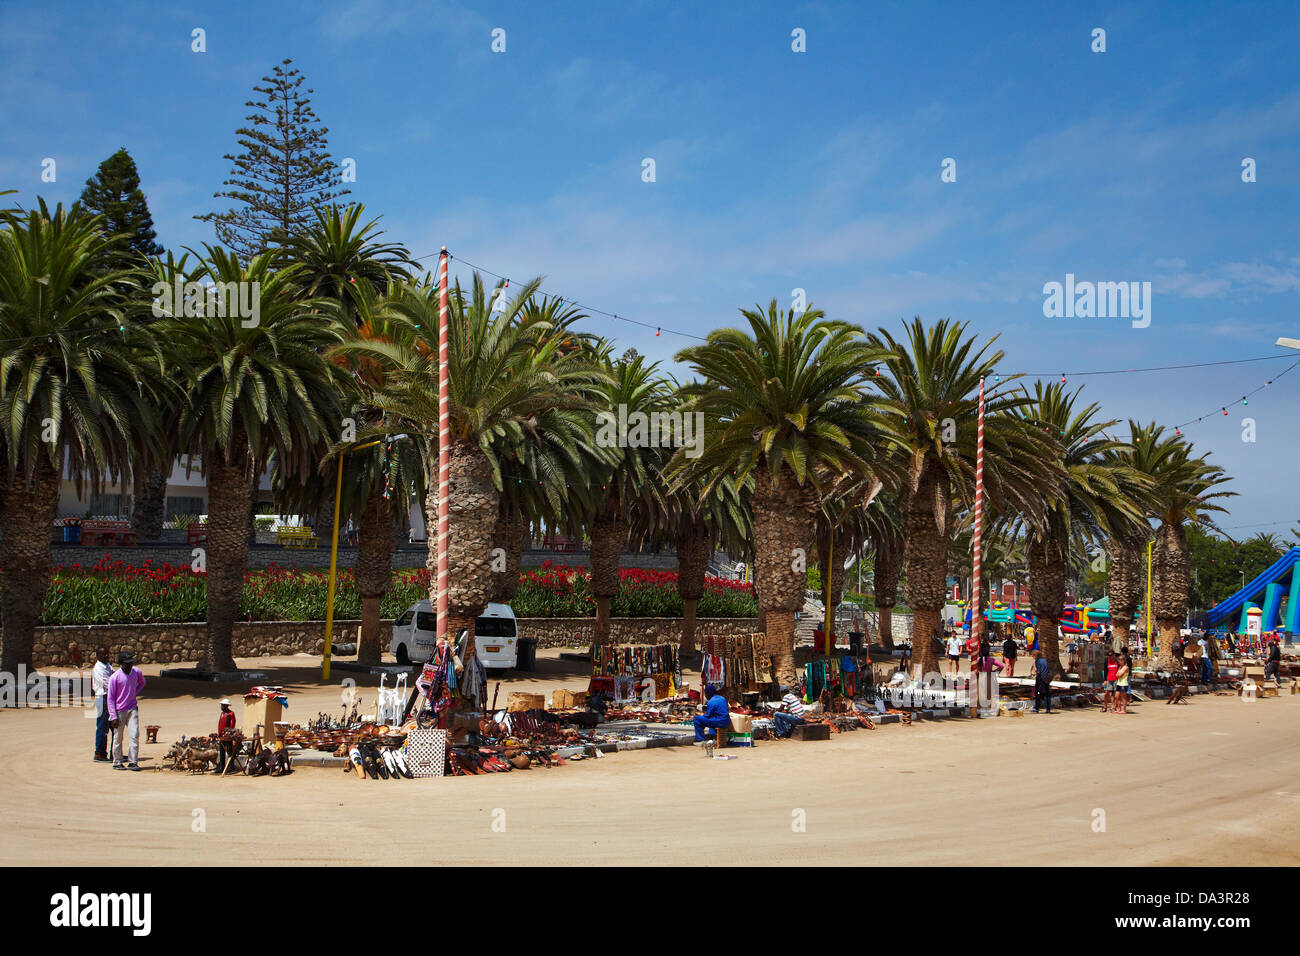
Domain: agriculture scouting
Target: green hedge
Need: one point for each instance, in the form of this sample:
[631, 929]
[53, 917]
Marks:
[114, 592]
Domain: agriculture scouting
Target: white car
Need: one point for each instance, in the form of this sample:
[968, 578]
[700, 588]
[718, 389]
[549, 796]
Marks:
[495, 636]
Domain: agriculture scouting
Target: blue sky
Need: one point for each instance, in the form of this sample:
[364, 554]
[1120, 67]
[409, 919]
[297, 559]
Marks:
[775, 170]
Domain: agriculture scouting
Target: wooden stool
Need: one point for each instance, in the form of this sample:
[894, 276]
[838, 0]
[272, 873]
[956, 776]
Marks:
[151, 733]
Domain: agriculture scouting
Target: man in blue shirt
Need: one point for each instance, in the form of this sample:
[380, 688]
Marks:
[716, 715]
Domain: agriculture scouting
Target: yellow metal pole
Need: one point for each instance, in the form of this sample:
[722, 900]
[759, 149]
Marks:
[334, 562]
[1148, 607]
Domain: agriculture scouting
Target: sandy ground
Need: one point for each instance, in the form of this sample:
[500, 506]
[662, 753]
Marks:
[1206, 783]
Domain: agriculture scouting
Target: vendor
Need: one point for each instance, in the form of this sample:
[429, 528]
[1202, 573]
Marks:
[225, 727]
[716, 715]
[790, 715]
[226, 719]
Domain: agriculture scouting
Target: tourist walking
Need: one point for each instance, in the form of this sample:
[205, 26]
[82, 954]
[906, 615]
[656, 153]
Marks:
[1273, 666]
[124, 710]
[1042, 684]
[1207, 667]
[1009, 651]
[954, 653]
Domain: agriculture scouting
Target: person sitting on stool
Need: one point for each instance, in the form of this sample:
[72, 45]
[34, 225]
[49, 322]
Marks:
[716, 715]
[790, 715]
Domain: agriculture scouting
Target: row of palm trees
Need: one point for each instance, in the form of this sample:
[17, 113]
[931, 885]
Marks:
[821, 440]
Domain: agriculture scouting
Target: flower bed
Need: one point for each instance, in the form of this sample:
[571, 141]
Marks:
[115, 592]
[560, 591]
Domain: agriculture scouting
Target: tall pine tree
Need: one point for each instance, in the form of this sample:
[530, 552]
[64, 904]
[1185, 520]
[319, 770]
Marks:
[114, 193]
[283, 173]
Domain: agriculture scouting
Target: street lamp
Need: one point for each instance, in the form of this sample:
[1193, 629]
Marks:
[1288, 343]
[334, 554]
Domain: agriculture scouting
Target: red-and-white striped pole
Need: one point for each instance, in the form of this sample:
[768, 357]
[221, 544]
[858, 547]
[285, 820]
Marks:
[977, 615]
[444, 446]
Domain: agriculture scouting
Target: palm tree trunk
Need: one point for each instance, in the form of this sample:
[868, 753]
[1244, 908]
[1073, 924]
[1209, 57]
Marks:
[886, 625]
[374, 570]
[150, 505]
[884, 577]
[230, 491]
[783, 516]
[1124, 584]
[780, 641]
[693, 545]
[608, 534]
[473, 509]
[1047, 574]
[1171, 585]
[925, 536]
[508, 536]
[27, 510]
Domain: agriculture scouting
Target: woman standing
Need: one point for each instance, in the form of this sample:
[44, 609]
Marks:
[1122, 673]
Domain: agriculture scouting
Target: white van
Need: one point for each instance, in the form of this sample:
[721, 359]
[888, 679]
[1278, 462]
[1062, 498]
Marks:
[415, 633]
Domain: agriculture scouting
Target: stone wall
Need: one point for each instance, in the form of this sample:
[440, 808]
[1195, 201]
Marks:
[178, 643]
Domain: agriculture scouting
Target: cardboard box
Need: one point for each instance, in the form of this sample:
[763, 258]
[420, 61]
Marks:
[521, 701]
[742, 724]
[261, 710]
[562, 699]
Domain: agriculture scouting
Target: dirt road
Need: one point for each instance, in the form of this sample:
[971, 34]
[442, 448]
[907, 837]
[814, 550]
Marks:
[1178, 785]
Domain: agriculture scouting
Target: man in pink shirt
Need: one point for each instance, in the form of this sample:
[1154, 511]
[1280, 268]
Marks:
[123, 710]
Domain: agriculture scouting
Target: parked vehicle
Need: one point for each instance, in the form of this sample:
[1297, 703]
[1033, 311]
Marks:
[495, 636]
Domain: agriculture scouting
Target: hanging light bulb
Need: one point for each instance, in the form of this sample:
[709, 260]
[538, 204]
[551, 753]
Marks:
[1245, 400]
[1225, 411]
[657, 331]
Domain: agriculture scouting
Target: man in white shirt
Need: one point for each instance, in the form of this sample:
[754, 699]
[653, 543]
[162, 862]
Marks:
[790, 715]
[954, 653]
[99, 684]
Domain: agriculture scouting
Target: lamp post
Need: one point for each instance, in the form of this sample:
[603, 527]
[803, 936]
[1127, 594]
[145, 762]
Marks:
[334, 554]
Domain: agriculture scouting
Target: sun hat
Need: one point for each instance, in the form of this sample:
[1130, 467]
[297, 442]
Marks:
[225, 702]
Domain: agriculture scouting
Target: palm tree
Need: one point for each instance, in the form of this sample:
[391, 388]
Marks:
[625, 481]
[545, 476]
[788, 403]
[1092, 498]
[1186, 489]
[885, 531]
[78, 387]
[843, 528]
[506, 374]
[1146, 454]
[149, 472]
[340, 259]
[699, 518]
[931, 396]
[254, 387]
